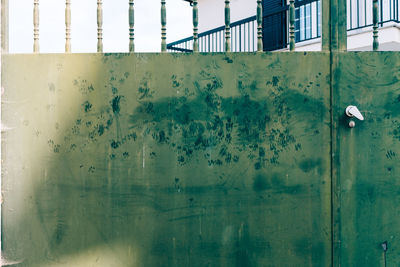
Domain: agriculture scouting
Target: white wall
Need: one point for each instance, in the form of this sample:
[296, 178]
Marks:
[388, 37]
[361, 40]
[212, 14]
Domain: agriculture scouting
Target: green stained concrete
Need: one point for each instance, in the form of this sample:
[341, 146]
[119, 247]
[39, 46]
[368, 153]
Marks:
[201, 160]
[367, 158]
[167, 160]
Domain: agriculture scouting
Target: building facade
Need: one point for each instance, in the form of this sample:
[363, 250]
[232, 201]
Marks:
[307, 25]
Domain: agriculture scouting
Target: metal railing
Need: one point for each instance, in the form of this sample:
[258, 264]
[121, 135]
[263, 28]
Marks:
[243, 38]
[244, 32]
[308, 25]
[308, 20]
[240, 36]
[244, 35]
[360, 13]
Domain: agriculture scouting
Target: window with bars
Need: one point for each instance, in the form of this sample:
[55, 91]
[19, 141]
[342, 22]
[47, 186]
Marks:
[308, 21]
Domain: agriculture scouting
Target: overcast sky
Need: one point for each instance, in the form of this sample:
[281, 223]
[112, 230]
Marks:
[84, 25]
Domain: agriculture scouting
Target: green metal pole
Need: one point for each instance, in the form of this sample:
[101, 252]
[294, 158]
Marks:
[259, 26]
[68, 26]
[291, 25]
[375, 44]
[227, 27]
[195, 27]
[326, 26]
[131, 26]
[35, 26]
[163, 27]
[334, 37]
[99, 26]
[334, 25]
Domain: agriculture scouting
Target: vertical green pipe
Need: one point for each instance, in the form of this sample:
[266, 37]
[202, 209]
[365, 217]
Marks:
[99, 26]
[131, 26]
[338, 23]
[163, 27]
[342, 25]
[326, 26]
[68, 26]
[334, 25]
[259, 26]
[375, 44]
[36, 26]
[291, 26]
[227, 27]
[334, 37]
[195, 27]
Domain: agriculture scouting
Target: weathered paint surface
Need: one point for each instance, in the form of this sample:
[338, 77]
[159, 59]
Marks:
[167, 160]
[367, 161]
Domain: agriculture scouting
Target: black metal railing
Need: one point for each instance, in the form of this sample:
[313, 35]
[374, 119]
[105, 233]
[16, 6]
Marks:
[243, 38]
[308, 26]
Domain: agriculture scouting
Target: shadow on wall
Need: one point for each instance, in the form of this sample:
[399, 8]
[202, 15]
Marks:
[143, 160]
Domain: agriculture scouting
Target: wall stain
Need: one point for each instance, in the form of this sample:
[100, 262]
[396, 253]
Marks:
[228, 60]
[55, 147]
[272, 182]
[113, 57]
[115, 104]
[201, 118]
[52, 87]
[60, 231]
[207, 120]
[390, 154]
[91, 169]
[144, 90]
[87, 106]
[83, 86]
[307, 165]
[396, 130]
[97, 124]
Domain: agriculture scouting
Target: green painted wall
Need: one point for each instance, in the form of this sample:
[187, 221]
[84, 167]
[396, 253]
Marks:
[367, 165]
[167, 160]
[201, 160]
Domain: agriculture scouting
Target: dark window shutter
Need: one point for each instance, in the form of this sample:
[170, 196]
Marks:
[274, 24]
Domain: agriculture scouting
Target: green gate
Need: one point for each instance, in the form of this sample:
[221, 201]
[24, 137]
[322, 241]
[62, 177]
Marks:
[202, 159]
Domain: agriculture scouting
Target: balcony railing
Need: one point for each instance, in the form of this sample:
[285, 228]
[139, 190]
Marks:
[359, 13]
[308, 26]
[308, 20]
[243, 33]
[269, 31]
